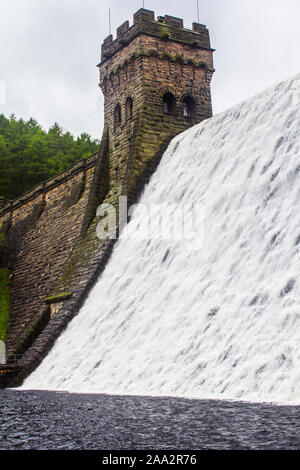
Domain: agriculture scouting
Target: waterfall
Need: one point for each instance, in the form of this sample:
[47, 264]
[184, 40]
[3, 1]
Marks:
[217, 314]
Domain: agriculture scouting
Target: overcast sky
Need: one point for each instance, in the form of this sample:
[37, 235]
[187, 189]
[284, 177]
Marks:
[50, 48]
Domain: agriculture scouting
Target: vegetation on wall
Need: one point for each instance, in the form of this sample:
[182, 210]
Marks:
[29, 155]
[59, 297]
[4, 297]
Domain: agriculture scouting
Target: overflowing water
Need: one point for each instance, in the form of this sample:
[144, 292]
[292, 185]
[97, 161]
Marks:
[218, 315]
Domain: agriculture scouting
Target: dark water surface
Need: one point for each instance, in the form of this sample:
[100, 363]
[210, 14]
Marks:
[54, 420]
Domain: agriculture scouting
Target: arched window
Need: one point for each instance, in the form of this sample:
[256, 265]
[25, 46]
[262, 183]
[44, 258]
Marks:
[129, 108]
[188, 107]
[169, 103]
[118, 116]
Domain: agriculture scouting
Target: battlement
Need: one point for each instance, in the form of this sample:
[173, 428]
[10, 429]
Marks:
[164, 27]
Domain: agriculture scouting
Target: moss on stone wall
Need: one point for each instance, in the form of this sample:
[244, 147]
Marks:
[4, 302]
[58, 297]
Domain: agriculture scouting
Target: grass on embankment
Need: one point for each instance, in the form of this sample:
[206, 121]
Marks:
[4, 302]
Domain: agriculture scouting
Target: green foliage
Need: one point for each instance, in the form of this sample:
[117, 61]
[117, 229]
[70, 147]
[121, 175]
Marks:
[29, 155]
[4, 302]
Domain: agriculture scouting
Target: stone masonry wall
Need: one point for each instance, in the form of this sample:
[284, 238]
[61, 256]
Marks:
[41, 230]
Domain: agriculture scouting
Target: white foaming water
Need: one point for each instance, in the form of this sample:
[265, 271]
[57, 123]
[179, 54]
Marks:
[219, 319]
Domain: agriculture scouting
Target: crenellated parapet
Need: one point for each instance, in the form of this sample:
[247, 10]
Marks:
[164, 27]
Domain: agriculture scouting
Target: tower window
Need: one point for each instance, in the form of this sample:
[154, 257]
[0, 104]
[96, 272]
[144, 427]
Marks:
[188, 107]
[169, 103]
[118, 116]
[129, 108]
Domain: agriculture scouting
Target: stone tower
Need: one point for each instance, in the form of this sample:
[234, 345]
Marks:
[155, 77]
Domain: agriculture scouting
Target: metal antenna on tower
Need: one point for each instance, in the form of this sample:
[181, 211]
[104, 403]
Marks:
[109, 21]
[198, 11]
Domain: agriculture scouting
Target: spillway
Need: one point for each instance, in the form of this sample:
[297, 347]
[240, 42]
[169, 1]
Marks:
[213, 312]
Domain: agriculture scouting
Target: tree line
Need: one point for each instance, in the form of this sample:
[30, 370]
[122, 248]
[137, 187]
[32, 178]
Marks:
[30, 155]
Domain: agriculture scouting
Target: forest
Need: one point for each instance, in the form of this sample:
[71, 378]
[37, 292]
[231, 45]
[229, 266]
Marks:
[30, 155]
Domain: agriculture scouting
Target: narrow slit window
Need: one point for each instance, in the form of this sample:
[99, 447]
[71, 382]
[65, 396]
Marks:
[118, 115]
[188, 107]
[129, 108]
[169, 103]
